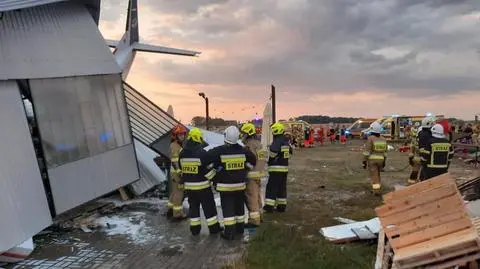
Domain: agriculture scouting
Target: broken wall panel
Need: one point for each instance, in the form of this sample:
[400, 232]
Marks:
[76, 183]
[23, 205]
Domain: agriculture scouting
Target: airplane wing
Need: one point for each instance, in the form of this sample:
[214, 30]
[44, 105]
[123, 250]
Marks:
[165, 50]
[111, 43]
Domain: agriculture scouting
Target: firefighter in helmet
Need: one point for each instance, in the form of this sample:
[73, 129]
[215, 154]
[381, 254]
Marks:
[280, 151]
[232, 162]
[252, 193]
[414, 156]
[424, 136]
[437, 154]
[197, 174]
[375, 155]
[175, 202]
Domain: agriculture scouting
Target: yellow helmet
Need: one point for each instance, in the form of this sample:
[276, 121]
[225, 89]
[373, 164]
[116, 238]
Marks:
[195, 135]
[278, 128]
[248, 128]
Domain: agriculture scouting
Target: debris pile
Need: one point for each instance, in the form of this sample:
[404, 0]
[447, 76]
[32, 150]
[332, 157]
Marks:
[352, 230]
[427, 225]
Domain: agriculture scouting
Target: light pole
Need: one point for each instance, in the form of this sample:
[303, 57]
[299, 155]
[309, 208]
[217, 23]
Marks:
[206, 108]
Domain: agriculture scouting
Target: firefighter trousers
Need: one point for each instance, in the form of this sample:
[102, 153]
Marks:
[175, 201]
[428, 173]
[254, 200]
[374, 168]
[414, 175]
[205, 199]
[276, 192]
[233, 209]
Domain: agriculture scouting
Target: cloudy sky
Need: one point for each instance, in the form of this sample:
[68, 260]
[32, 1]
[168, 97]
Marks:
[332, 57]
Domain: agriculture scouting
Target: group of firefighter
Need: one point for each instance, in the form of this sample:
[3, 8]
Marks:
[430, 152]
[307, 137]
[234, 170]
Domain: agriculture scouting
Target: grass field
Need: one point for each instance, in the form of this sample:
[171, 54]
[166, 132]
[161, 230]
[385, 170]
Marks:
[324, 182]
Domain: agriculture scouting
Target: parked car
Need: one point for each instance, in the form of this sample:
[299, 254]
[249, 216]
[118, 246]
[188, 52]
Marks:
[355, 130]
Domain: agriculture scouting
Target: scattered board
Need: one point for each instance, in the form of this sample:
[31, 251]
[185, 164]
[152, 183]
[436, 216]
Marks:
[427, 225]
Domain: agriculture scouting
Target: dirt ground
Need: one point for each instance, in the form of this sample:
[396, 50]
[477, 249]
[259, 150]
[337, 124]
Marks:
[324, 182]
[327, 182]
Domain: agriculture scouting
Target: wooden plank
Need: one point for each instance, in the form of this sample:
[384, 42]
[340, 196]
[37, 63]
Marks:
[433, 183]
[386, 256]
[431, 233]
[453, 263]
[421, 249]
[445, 256]
[380, 250]
[436, 219]
[444, 205]
[473, 265]
[412, 201]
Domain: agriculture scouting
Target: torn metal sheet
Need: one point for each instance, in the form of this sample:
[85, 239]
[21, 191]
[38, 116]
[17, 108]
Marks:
[344, 233]
[364, 233]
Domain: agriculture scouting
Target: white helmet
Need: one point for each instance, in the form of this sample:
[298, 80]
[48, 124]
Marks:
[231, 135]
[428, 121]
[437, 131]
[376, 127]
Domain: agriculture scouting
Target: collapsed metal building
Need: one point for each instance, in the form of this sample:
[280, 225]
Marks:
[67, 117]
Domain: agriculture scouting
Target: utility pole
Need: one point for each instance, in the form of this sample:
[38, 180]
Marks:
[207, 112]
[274, 106]
[206, 108]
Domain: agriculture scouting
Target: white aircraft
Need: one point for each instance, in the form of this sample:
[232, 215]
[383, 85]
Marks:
[129, 44]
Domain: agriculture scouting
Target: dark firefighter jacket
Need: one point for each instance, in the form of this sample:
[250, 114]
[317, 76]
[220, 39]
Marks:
[437, 153]
[280, 152]
[196, 169]
[232, 163]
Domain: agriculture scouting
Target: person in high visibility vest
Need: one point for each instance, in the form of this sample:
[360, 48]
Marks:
[253, 191]
[280, 151]
[414, 157]
[197, 174]
[375, 155]
[232, 162]
[424, 136]
[175, 201]
[437, 153]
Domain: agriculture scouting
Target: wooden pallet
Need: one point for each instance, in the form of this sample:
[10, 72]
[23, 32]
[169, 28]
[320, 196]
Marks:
[428, 226]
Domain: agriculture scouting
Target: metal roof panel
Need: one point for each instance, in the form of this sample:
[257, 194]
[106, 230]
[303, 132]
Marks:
[54, 40]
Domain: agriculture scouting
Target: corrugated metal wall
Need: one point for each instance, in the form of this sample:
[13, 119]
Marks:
[23, 205]
[55, 40]
[76, 183]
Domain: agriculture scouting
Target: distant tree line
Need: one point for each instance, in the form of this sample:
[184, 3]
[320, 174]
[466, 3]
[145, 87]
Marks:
[199, 121]
[320, 119]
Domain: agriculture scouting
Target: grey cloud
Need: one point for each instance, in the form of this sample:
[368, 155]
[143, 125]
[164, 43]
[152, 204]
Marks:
[323, 45]
[379, 61]
[181, 6]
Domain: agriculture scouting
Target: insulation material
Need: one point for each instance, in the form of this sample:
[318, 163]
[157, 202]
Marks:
[346, 232]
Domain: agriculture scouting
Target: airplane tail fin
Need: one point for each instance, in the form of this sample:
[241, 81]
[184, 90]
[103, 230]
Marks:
[132, 21]
[131, 38]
